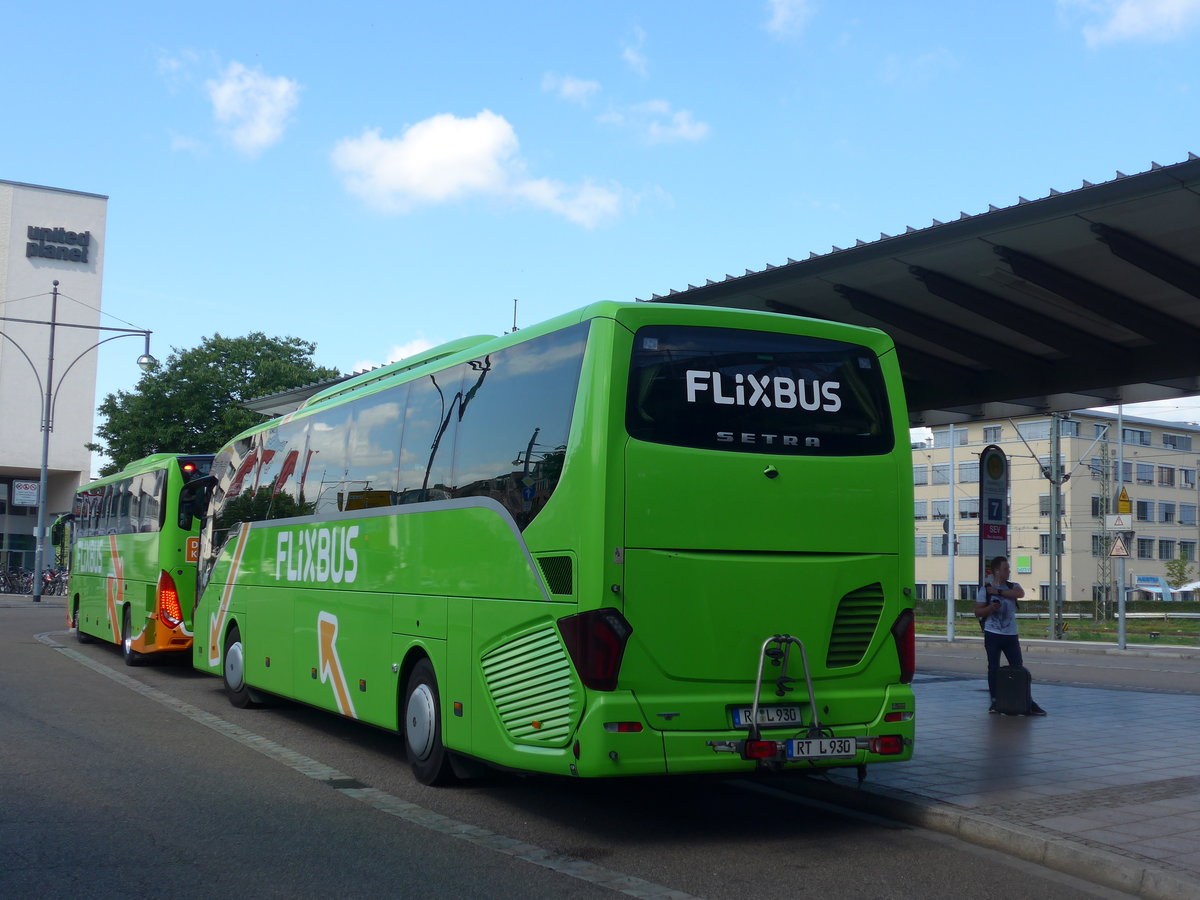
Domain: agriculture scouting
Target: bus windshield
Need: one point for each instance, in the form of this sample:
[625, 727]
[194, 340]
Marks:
[756, 392]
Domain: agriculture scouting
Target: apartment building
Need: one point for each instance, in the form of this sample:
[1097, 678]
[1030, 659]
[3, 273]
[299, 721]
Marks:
[1155, 462]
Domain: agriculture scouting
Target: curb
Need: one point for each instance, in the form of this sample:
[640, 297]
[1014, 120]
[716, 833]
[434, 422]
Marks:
[1167, 651]
[1091, 864]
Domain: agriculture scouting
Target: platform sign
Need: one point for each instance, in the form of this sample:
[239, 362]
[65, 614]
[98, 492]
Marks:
[993, 507]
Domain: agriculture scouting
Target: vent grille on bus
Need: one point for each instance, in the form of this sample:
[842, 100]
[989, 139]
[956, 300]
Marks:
[531, 684]
[557, 571]
[854, 626]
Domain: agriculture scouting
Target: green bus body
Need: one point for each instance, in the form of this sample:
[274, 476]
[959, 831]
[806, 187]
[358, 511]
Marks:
[133, 567]
[564, 550]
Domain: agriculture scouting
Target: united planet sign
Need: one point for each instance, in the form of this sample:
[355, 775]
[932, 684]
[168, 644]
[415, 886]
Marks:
[57, 243]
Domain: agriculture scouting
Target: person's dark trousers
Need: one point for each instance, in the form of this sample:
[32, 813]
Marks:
[995, 644]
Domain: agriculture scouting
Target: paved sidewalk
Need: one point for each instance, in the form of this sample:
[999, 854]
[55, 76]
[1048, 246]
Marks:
[1106, 787]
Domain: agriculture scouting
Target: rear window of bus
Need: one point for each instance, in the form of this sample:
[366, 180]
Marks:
[756, 392]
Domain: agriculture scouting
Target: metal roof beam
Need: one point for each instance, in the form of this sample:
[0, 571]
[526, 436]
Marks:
[1042, 328]
[968, 343]
[1158, 262]
[1126, 312]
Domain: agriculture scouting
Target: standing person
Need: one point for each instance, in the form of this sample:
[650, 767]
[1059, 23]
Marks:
[996, 607]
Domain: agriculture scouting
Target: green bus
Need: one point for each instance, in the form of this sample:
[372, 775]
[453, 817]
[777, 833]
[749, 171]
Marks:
[636, 539]
[133, 562]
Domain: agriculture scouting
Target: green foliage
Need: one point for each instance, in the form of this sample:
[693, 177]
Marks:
[190, 403]
[1179, 572]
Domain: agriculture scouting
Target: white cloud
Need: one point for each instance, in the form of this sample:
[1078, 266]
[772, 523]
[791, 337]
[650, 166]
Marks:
[445, 158]
[631, 51]
[568, 87]
[788, 17]
[252, 108]
[658, 122]
[400, 351]
[1132, 20]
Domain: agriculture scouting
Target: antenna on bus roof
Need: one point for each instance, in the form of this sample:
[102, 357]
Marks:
[514, 328]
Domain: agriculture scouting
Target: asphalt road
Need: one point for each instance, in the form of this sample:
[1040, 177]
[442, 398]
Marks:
[145, 782]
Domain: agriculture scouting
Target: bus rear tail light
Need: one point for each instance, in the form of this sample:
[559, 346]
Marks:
[170, 613]
[623, 727]
[904, 631]
[887, 745]
[596, 641]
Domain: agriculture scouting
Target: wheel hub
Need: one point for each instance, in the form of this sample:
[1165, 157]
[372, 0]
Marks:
[419, 721]
[234, 666]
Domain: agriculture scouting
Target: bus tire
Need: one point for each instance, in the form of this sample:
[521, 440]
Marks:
[233, 671]
[131, 656]
[423, 727]
[80, 635]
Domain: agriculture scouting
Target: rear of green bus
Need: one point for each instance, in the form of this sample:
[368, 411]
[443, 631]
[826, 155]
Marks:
[759, 611]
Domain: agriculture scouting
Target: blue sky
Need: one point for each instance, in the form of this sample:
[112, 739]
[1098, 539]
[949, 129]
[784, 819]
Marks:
[381, 177]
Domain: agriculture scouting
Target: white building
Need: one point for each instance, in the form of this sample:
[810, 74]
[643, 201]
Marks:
[1159, 475]
[46, 235]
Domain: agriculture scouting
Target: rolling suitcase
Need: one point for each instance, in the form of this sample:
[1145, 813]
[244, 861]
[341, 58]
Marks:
[1014, 695]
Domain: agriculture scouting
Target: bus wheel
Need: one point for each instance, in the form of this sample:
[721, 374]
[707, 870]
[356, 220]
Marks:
[423, 727]
[234, 671]
[79, 633]
[131, 656]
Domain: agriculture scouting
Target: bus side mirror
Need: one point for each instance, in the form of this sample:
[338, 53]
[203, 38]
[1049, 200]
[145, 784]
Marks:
[59, 528]
[193, 498]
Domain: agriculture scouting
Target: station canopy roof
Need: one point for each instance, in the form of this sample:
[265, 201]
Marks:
[1084, 298]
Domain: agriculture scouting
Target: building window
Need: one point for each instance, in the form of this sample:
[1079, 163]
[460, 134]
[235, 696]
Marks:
[967, 591]
[939, 590]
[1099, 429]
[1145, 473]
[941, 473]
[1044, 544]
[1187, 513]
[968, 508]
[921, 547]
[1177, 441]
[968, 471]
[937, 546]
[1099, 545]
[1136, 436]
[1166, 476]
[1043, 504]
[1166, 550]
[1126, 474]
[1145, 511]
[968, 544]
[1069, 428]
[942, 438]
[1187, 551]
[922, 590]
[1145, 548]
[920, 509]
[1166, 513]
[1096, 467]
[1187, 478]
[920, 474]
[941, 509]
[1034, 431]
[1099, 507]
[991, 433]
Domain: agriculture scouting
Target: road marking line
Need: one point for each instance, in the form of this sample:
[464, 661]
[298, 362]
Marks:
[380, 800]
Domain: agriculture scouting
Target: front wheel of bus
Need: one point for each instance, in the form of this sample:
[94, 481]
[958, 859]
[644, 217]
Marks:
[131, 656]
[423, 727]
[234, 670]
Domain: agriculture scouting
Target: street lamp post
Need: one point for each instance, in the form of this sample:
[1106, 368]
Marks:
[49, 392]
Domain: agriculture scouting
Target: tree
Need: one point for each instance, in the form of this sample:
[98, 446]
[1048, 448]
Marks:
[191, 403]
[1179, 573]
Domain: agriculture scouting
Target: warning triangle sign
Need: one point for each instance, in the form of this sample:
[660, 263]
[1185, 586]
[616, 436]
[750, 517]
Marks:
[1121, 522]
[1118, 547]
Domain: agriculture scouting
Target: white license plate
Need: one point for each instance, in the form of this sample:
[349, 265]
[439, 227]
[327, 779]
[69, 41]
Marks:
[822, 748]
[778, 716]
